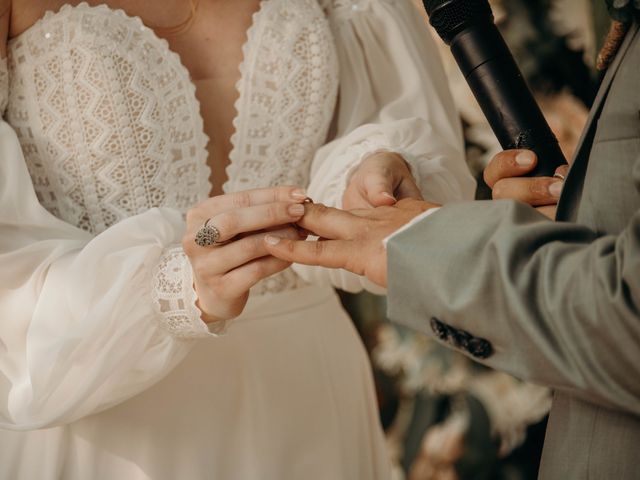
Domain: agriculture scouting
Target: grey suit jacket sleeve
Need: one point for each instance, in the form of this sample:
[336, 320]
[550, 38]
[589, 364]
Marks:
[559, 303]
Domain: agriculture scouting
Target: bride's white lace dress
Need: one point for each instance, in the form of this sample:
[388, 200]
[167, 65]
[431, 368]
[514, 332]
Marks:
[106, 371]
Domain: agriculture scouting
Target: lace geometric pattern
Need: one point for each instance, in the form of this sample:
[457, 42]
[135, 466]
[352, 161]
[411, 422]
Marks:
[175, 298]
[287, 96]
[107, 117]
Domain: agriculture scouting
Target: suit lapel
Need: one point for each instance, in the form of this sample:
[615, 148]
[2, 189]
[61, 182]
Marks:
[568, 204]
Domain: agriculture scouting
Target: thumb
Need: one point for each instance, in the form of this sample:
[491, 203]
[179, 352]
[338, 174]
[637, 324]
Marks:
[379, 189]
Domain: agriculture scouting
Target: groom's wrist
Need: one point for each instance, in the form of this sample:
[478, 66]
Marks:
[410, 224]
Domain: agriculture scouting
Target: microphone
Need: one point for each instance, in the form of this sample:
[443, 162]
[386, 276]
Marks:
[468, 27]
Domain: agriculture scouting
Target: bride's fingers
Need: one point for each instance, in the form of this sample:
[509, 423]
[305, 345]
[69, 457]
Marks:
[248, 198]
[258, 217]
[241, 279]
[408, 189]
[330, 222]
[378, 188]
[220, 260]
[329, 253]
[353, 198]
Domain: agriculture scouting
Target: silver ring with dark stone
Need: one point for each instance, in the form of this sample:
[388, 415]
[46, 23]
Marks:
[208, 236]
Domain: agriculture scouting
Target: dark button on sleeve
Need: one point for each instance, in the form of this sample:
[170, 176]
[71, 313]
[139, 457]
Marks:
[439, 329]
[480, 348]
[461, 339]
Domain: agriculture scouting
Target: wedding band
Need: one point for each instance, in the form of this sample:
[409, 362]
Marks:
[208, 236]
[307, 200]
[558, 175]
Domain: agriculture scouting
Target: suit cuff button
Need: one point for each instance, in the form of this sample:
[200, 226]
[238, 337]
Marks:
[480, 348]
[461, 339]
[439, 329]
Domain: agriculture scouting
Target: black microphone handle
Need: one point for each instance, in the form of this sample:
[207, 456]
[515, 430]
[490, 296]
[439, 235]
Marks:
[504, 97]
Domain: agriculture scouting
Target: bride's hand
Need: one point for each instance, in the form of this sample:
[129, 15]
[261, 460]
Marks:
[224, 274]
[381, 179]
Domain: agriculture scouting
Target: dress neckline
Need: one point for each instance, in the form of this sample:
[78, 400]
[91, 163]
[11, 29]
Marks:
[233, 155]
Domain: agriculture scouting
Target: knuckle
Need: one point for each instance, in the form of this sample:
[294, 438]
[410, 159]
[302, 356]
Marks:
[285, 248]
[290, 233]
[257, 270]
[492, 173]
[486, 176]
[255, 246]
[218, 286]
[319, 248]
[288, 247]
[499, 190]
[322, 210]
[383, 172]
[202, 271]
[538, 188]
[242, 200]
[275, 212]
[192, 215]
[226, 222]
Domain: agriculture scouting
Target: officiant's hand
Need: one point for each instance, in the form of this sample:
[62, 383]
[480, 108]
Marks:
[381, 179]
[350, 240]
[504, 175]
[224, 273]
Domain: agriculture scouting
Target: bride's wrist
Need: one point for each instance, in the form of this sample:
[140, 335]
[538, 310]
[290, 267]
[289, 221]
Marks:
[206, 316]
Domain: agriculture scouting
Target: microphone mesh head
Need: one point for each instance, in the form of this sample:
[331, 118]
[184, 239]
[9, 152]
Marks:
[449, 17]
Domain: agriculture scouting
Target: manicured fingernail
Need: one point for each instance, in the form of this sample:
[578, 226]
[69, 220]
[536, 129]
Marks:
[525, 158]
[272, 239]
[555, 189]
[296, 210]
[388, 195]
[299, 194]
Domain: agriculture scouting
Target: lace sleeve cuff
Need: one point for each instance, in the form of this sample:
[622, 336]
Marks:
[175, 299]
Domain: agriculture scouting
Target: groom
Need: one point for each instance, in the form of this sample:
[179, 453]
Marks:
[554, 303]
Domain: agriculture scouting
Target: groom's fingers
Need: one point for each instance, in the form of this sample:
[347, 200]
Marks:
[330, 222]
[328, 253]
[508, 164]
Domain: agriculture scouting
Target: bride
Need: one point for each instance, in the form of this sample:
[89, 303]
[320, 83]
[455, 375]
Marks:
[127, 350]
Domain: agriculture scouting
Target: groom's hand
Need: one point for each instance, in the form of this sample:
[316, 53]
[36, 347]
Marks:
[504, 175]
[350, 240]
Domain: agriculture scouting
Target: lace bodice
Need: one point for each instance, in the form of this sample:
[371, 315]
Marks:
[110, 125]
[106, 116]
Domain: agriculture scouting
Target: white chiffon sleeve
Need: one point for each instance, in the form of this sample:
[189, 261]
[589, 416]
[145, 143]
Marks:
[393, 96]
[85, 322]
